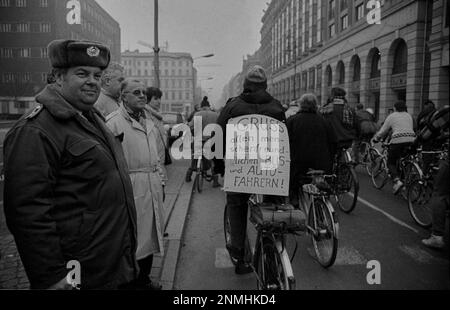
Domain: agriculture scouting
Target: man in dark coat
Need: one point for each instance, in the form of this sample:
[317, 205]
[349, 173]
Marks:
[68, 196]
[341, 117]
[312, 143]
[254, 100]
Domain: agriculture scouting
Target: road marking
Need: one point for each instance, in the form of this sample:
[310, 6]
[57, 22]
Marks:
[392, 218]
[346, 256]
[223, 259]
[421, 256]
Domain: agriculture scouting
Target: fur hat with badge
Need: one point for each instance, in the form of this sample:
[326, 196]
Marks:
[71, 53]
[256, 78]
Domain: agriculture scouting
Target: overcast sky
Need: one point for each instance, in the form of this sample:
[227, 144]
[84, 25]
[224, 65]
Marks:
[228, 28]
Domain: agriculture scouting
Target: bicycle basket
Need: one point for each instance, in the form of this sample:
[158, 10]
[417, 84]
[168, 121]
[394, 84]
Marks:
[267, 214]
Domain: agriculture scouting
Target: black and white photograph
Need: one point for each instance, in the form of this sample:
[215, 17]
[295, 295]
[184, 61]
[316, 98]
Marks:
[221, 150]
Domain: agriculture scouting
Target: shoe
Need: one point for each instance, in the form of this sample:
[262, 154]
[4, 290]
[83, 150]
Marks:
[216, 181]
[397, 187]
[154, 286]
[436, 242]
[242, 268]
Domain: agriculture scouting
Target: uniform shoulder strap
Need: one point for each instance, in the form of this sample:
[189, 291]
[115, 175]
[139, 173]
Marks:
[35, 112]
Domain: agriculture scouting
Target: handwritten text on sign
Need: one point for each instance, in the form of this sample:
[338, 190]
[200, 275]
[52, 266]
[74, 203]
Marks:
[258, 156]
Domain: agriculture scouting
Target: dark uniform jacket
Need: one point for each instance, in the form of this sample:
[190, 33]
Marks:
[68, 196]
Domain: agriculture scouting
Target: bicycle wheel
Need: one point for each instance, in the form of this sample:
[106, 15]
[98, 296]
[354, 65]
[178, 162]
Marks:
[200, 173]
[348, 188]
[380, 173]
[419, 196]
[372, 154]
[271, 268]
[325, 232]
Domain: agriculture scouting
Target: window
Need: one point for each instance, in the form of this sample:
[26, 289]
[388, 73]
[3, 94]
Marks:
[180, 83]
[20, 105]
[23, 27]
[25, 52]
[44, 52]
[6, 52]
[25, 77]
[44, 27]
[343, 5]
[331, 9]
[180, 95]
[331, 30]
[188, 72]
[4, 3]
[180, 73]
[188, 84]
[360, 11]
[173, 83]
[447, 14]
[139, 72]
[344, 22]
[21, 3]
[44, 76]
[5, 27]
[43, 3]
[401, 59]
[188, 95]
[8, 77]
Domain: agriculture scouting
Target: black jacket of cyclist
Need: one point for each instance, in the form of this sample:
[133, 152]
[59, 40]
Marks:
[254, 100]
[341, 117]
[312, 142]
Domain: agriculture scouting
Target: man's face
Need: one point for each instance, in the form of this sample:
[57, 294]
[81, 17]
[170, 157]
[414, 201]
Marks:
[112, 83]
[134, 97]
[155, 103]
[80, 86]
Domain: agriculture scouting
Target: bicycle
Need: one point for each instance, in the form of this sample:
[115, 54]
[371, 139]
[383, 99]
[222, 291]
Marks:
[322, 224]
[407, 165]
[345, 182]
[269, 259]
[368, 156]
[201, 173]
[420, 192]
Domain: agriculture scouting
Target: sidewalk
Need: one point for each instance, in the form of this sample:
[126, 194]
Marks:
[178, 196]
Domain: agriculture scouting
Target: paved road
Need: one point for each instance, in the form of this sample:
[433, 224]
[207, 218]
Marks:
[379, 229]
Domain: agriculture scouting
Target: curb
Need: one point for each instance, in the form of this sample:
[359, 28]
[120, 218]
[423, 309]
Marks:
[175, 227]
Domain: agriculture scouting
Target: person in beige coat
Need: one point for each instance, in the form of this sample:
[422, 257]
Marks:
[153, 109]
[138, 135]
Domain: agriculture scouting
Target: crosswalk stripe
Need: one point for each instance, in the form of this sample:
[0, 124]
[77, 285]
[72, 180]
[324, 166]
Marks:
[421, 256]
[346, 256]
[392, 218]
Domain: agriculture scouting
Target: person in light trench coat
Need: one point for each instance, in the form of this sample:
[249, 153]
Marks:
[138, 134]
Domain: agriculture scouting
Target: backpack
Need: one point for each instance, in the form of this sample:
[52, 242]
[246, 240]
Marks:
[348, 115]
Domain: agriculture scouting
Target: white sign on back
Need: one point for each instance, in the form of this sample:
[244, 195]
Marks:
[257, 156]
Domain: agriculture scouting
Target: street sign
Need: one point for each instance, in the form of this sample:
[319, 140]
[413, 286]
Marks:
[257, 156]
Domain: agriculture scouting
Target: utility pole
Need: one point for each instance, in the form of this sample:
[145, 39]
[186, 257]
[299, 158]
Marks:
[156, 47]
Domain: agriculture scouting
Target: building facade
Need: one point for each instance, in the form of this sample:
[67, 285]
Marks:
[26, 28]
[312, 46]
[178, 77]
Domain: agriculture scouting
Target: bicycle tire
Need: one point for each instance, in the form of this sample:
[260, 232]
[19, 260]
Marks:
[327, 220]
[350, 179]
[371, 155]
[270, 268]
[200, 177]
[380, 173]
[419, 196]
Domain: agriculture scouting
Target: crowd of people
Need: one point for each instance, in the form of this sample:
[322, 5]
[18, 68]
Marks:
[91, 157]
